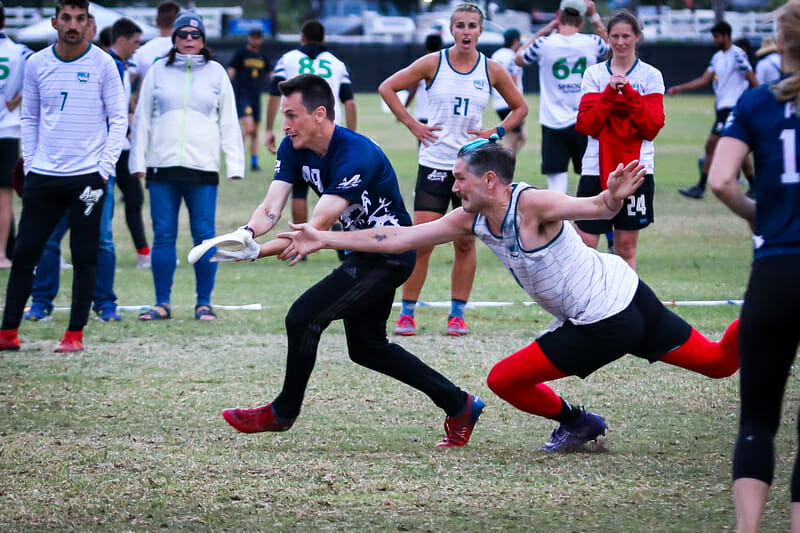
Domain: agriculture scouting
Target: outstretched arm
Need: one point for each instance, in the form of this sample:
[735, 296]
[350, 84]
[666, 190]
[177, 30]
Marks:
[387, 239]
[696, 83]
[728, 157]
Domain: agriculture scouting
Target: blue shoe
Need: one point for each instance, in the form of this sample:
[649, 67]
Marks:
[109, 314]
[459, 428]
[38, 313]
[567, 437]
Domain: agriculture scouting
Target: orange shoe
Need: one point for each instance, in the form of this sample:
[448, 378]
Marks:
[72, 341]
[456, 326]
[459, 428]
[405, 326]
[9, 339]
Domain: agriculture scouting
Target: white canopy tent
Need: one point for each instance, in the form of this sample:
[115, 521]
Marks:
[44, 31]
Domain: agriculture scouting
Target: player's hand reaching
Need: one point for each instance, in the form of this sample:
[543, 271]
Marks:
[624, 181]
[250, 252]
[306, 239]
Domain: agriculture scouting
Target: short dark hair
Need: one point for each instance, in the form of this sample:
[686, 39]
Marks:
[490, 156]
[124, 28]
[167, 13]
[256, 33]
[570, 17]
[313, 31]
[721, 28]
[79, 4]
[105, 37]
[314, 90]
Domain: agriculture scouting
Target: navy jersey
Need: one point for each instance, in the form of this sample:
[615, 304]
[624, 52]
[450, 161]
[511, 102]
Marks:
[772, 130]
[354, 168]
[251, 68]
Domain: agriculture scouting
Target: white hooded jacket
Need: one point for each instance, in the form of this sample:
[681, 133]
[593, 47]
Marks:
[185, 115]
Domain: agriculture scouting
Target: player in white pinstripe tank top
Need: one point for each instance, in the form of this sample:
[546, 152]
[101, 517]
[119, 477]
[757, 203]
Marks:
[603, 310]
[459, 81]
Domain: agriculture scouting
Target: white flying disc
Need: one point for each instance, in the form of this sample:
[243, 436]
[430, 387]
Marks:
[230, 241]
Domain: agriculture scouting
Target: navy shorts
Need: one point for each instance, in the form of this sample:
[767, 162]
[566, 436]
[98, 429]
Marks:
[636, 212]
[645, 329]
[719, 121]
[249, 106]
[9, 154]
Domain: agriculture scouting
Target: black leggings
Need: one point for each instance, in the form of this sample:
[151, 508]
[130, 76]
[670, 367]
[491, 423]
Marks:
[133, 196]
[768, 340]
[360, 292]
[45, 199]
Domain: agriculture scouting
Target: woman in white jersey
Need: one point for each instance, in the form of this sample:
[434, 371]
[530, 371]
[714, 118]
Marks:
[459, 81]
[622, 110]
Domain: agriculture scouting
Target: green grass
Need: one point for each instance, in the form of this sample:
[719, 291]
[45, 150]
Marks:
[128, 435]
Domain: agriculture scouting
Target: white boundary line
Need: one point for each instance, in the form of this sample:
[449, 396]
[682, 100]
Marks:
[698, 303]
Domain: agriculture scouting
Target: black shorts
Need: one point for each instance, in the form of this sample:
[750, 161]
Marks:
[9, 154]
[434, 190]
[645, 329]
[503, 113]
[559, 147]
[249, 106]
[299, 189]
[719, 122]
[636, 212]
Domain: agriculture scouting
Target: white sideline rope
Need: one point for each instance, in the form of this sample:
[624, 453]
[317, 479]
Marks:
[243, 307]
[697, 303]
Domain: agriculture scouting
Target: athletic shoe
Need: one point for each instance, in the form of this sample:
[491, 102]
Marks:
[9, 339]
[456, 326]
[255, 420]
[143, 261]
[109, 314]
[459, 428]
[405, 326]
[695, 191]
[255, 168]
[38, 313]
[72, 341]
[567, 437]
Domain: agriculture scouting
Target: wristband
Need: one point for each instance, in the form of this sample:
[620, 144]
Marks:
[251, 230]
[501, 131]
[595, 17]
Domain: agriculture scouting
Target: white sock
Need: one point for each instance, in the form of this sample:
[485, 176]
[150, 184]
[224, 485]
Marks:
[558, 182]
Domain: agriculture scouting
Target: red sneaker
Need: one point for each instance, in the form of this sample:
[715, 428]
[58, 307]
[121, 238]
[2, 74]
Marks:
[9, 339]
[405, 326]
[255, 420]
[72, 341]
[459, 428]
[456, 326]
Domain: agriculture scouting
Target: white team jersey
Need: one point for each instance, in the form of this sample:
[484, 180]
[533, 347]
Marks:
[563, 60]
[456, 102]
[12, 73]
[506, 56]
[74, 114]
[325, 65]
[729, 69]
[645, 79]
[149, 53]
[769, 68]
[421, 110]
[570, 280]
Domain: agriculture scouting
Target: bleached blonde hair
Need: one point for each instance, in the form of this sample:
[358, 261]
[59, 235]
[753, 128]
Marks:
[788, 22]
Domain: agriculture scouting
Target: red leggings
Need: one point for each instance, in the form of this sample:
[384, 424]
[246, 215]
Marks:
[519, 378]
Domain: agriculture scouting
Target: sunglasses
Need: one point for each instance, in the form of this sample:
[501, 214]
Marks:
[477, 143]
[185, 34]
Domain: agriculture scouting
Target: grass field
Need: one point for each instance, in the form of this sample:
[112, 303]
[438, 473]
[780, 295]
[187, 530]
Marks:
[128, 435]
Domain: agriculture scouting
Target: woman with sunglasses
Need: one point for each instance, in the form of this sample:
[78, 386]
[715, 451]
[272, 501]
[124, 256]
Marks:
[458, 83]
[185, 116]
[622, 111]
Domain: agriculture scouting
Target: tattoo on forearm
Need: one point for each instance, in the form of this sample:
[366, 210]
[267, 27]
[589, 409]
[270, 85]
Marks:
[379, 237]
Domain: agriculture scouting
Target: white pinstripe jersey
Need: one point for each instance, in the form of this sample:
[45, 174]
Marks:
[729, 68]
[12, 69]
[74, 114]
[455, 102]
[325, 65]
[567, 278]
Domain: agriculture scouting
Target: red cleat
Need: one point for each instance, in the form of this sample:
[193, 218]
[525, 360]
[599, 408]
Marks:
[9, 339]
[255, 420]
[72, 341]
[458, 429]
